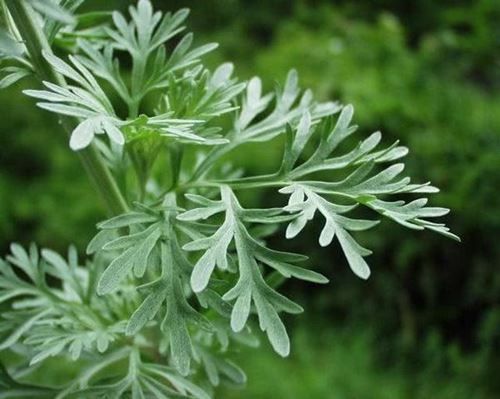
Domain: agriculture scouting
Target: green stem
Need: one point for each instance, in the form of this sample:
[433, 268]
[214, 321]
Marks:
[212, 157]
[141, 172]
[176, 153]
[138, 68]
[36, 42]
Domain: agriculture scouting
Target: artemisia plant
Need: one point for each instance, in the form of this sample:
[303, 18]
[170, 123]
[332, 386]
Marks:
[174, 279]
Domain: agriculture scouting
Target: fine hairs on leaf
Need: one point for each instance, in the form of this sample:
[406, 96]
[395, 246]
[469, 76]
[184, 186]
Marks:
[175, 283]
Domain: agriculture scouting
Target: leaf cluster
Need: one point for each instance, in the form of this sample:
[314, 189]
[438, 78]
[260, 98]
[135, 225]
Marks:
[172, 285]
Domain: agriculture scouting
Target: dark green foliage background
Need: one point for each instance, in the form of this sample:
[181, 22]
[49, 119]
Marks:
[426, 324]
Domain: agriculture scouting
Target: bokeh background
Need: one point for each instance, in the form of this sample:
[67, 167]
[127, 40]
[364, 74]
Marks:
[427, 323]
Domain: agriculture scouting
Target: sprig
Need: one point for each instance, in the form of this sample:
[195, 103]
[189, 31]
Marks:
[153, 250]
[52, 320]
[251, 286]
[288, 105]
[360, 187]
[86, 101]
[196, 92]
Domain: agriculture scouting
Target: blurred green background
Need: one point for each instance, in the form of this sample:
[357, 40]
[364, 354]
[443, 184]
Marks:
[427, 323]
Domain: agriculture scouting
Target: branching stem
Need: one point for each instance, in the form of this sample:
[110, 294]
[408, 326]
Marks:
[36, 43]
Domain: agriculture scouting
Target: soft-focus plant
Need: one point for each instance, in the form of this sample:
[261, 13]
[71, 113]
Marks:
[175, 274]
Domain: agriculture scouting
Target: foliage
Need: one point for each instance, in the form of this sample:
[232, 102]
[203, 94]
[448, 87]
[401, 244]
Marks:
[155, 301]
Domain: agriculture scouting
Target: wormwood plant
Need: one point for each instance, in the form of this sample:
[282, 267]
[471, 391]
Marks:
[173, 279]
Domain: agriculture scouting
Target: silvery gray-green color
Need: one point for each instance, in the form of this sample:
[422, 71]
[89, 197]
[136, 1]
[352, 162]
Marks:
[175, 275]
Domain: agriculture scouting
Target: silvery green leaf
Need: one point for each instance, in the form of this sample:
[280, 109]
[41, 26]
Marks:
[104, 65]
[66, 271]
[271, 323]
[286, 113]
[125, 241]
[217, 368]
[9, 47]
[302, 136]
[99, 240]
[83, 135]
[182, 385]
[336, 225]
[241, 310]
[182, 58]
[342, 129]
[412, 214]
[127, 219]
[282, 262]
[144, 251]
[251, 287]
[253, 103]
[112, 131]
[117, 270]
[354, 253]
[20, 330]
[134, 257]
[221, 75]
[52, 10]
[216, 254]
[147, 310]
[169, 27]
[24, 261]
[13, 76]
